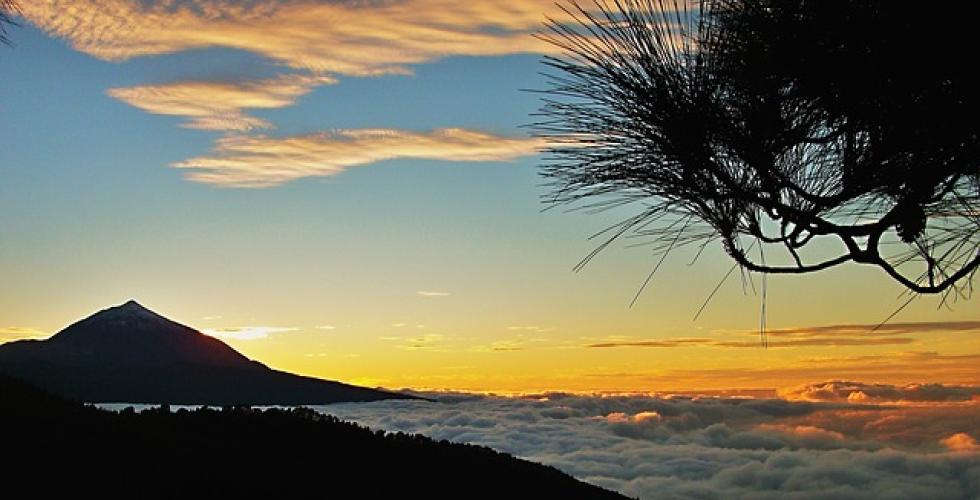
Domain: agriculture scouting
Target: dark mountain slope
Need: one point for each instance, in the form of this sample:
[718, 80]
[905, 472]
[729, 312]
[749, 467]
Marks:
[52, 445]
[130, 354]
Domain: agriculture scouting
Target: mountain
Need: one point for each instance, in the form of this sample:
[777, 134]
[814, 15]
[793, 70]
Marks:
[130, 354]
[55, 446]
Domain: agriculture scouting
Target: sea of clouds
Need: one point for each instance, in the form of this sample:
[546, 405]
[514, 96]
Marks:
[833, 440]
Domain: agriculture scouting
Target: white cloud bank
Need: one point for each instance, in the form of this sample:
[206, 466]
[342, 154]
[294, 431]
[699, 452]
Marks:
[859, 392]
[713, 448]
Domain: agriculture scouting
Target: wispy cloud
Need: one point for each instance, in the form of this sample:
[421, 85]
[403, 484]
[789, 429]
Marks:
[326, 327]
[524, 339]
[343, 37]
[20, 333]
[246, 332]
[529, 328]
[260, 161]
[326, 38]
[427, 342]
[427, 293]
[805, 342]
[874, 329]
[890, 367]
[807, 336]
[220, 105]
[505, 345]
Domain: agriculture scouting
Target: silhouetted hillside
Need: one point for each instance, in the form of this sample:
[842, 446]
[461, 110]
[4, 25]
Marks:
[50, 444]
[130, 354]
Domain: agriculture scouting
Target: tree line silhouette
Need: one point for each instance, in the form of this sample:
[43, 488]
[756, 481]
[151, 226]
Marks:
[242, 450]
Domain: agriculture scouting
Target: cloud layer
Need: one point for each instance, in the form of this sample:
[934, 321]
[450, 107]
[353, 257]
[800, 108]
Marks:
[325, 39]
[350, 37]
[220, 105]
[681, 447]
[260, 161]
[858, 392]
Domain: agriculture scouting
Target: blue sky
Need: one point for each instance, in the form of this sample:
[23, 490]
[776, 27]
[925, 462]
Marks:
[425, 252]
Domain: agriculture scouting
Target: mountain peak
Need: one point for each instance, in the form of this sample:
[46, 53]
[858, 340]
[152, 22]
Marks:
[130, 305]
[130, 334]
[126, 312]
[129, 353]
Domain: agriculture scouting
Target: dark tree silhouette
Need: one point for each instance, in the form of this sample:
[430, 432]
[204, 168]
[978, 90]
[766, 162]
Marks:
[241, 452]
[774, 125]
[8, 10]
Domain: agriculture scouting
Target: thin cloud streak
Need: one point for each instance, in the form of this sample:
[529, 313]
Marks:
[261, 161]
[895, 368]
[220, 105]
[20, 333]
[350, 37]
[246, 332]
[808, 336]
[335, 38]
[806, 342]
[869, 329]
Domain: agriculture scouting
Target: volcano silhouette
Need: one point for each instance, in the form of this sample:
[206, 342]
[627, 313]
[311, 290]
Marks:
[129, 354]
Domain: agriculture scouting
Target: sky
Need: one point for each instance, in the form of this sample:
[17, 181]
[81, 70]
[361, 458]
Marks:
[348, 190]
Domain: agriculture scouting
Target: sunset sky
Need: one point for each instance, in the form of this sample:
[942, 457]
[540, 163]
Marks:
[349, 190]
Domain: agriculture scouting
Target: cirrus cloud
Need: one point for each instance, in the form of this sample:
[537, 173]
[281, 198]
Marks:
[246, 332]
[803, 342]
[261, 161]
[808, 336]
[877, 329]
[351, 37]
[324, 37]
[220, 105]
